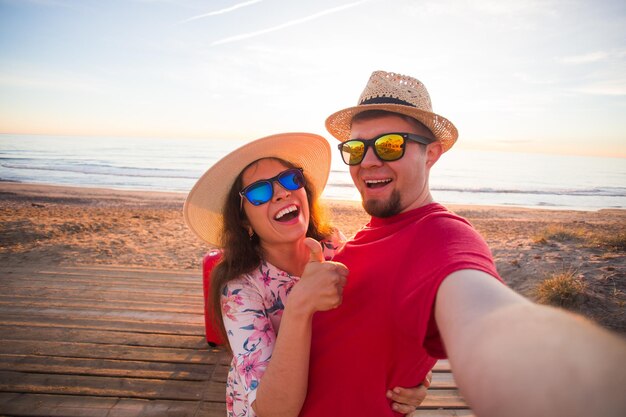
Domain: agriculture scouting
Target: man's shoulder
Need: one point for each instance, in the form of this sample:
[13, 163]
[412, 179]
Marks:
[436, 215]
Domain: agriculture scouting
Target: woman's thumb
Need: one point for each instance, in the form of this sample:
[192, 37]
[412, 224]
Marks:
[315, 250]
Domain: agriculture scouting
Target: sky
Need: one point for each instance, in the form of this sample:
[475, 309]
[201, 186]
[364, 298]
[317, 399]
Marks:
[524, 76]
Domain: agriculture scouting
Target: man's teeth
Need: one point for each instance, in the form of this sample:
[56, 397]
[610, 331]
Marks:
[284, 211]
[374, 182]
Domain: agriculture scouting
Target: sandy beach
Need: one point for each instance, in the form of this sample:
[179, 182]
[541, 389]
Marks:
[44, 225]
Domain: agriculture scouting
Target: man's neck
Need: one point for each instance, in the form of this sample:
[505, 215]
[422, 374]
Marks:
[423, 200]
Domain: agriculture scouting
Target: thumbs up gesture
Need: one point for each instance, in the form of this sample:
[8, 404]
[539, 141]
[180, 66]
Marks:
[321, 286]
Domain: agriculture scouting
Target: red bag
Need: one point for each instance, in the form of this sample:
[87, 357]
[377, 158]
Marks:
[208, 262]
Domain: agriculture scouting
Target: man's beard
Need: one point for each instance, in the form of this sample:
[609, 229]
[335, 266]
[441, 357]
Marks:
[387, 208]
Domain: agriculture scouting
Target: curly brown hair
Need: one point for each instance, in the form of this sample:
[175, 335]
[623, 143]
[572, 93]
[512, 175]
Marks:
[241, 253]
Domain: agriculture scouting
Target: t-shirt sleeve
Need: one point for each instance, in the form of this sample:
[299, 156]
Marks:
[450, 244]
[250, 332]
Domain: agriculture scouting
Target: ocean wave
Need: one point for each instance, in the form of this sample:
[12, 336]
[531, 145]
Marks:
[108, 170]
[601, 191]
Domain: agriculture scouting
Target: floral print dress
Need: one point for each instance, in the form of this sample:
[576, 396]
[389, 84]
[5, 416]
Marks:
[252, 307]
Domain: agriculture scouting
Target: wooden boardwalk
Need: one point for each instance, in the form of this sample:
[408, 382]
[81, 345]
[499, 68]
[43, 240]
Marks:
[108, 341]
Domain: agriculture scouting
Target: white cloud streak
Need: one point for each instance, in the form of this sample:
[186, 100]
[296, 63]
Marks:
[615, 87]
[584, 59]
[52, 82]
[222, 11]
[287, 24]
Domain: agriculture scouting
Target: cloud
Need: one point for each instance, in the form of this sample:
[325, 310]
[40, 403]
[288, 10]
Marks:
[47, 3]
[514, 141]
[529, 79]
[485, 7]
[52, 82]
[512, 7]
[584, 59]
[604, 88]
[222, 11]
[287, 24]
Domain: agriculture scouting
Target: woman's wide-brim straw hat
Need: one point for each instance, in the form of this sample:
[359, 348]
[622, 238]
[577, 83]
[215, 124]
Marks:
[398, 94]
[205, 202]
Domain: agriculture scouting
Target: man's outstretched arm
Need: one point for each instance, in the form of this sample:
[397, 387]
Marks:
[511, 357]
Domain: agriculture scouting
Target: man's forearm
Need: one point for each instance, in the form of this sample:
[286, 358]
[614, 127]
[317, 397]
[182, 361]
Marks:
[512, 357]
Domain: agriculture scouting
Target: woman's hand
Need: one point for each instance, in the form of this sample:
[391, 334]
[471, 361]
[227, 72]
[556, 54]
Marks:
[321, 286]
[406, 400]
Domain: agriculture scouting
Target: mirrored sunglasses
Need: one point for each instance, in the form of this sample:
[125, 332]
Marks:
[388, 147]
[260, 192]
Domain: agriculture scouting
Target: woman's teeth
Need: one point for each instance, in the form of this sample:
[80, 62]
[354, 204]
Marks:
[286, 212]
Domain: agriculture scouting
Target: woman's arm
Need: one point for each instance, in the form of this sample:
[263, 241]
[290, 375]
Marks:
[283, 388]
[406, 400]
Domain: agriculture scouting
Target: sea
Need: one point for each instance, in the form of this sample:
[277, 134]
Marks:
[460, 176]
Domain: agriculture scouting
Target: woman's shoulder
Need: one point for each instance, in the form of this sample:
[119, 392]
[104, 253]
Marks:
[245, 281]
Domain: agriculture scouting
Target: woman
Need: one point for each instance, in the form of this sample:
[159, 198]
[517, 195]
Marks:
[259, 204]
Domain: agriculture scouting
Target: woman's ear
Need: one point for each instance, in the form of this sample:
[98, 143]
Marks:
[245, 225]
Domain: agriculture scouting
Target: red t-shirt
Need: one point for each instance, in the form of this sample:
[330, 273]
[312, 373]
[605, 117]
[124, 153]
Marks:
[384, 334]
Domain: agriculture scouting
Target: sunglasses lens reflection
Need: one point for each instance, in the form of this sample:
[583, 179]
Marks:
[262, 191]
[352, 152]
[291, 180]
[389, 147]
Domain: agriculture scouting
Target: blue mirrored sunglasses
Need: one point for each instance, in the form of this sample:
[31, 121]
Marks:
[260, 192]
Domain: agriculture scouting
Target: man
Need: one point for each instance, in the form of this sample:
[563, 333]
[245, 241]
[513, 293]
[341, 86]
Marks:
[421, 278]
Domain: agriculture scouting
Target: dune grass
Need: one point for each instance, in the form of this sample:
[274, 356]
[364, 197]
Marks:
[561, 233]
[562, 289]
[613, 240]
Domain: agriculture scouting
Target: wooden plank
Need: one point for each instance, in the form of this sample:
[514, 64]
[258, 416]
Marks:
[189, 308]
[131, 316]
[106, 367]
[63, 334]
[96, 324]
[99, 351]
[110, 387]
[211, 409]
[132, 280]
[443, 380]
[114, 281]
[106, 287]
[103, 295]
[443, 398]
[104, 271]
[465, 412]
[442, 365]
[31, 405]
[155, 388]
[109, 270]
[36, 405]
[106, 275]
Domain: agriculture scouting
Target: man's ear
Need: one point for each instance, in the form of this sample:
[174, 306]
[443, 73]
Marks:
[433, 152]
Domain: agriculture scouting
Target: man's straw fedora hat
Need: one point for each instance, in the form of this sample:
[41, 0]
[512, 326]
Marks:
[398, 94]
[205, 202]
